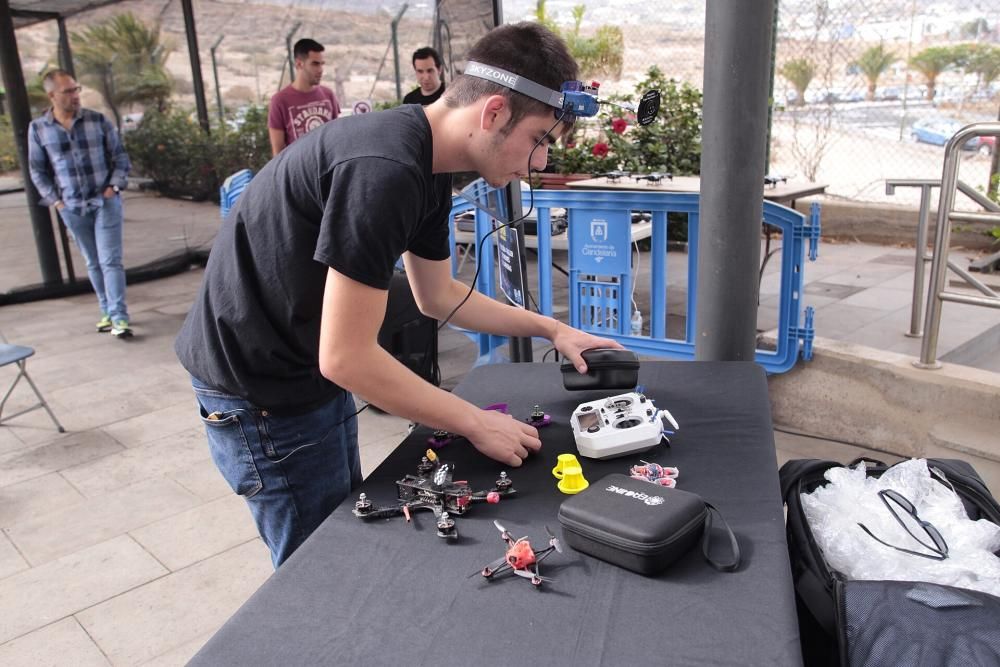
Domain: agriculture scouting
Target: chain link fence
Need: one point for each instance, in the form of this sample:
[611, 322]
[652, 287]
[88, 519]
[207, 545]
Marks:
[862, 91]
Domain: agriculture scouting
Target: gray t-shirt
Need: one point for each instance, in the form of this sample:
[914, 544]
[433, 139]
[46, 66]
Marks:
[352, 195]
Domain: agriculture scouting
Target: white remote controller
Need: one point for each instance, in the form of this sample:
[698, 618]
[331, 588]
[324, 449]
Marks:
[618, 425]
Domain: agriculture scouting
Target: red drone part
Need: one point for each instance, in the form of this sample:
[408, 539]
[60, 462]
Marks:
[521, 558]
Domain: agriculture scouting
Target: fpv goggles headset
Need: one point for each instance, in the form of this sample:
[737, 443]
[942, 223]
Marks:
[575, 98]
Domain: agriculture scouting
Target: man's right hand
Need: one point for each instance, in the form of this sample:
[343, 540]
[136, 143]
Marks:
[503, 438]
[60, 206]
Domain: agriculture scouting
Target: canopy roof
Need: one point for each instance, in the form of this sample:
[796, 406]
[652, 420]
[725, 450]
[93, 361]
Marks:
[27, 12]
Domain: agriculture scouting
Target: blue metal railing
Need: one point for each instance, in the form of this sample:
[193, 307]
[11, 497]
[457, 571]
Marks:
[600, 269]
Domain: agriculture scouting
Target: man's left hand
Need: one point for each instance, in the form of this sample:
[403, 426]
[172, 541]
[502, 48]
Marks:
[109, 192]
[572, 342]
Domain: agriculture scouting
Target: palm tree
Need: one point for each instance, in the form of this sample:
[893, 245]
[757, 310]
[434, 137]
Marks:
[125, 60]
[800, 73]
[873, 63]
[982, 60]
[930, 63]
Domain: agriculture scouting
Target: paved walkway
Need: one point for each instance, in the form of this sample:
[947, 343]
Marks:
[122, 544]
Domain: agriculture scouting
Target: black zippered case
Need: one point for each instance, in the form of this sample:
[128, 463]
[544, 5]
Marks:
[822, 594]
[607, 368]
[632, 523]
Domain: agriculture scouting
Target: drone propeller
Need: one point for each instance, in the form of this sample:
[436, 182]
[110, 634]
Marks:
[554, 541]
[532, 575]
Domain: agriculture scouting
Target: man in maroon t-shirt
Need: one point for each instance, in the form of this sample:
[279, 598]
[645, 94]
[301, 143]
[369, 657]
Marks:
[303, 105]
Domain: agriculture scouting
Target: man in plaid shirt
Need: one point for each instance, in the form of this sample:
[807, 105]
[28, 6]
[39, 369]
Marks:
[78, 163]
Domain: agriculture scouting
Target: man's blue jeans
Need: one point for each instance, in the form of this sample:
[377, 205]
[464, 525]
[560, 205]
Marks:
[98, 235]
[292, 471]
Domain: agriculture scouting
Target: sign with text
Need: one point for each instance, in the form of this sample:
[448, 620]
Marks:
[600, 241]
[509, 264]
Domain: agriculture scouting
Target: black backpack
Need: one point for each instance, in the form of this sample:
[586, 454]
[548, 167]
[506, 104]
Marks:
[874, 622]
[409, 335]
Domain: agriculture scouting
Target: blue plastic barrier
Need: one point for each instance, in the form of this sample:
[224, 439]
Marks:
[600, 269]
[231, 190]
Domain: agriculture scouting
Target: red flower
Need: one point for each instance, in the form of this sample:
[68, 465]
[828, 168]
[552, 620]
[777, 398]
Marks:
[618, 125]
[600, 149]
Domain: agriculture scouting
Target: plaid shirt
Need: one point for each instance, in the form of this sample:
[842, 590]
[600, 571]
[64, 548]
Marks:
[77, 165]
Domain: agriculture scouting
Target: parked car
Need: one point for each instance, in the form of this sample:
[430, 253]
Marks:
[889, 93]
[939, 131]
[131, 121]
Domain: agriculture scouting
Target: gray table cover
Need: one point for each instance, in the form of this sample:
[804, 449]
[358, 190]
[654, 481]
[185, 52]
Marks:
[392, 593]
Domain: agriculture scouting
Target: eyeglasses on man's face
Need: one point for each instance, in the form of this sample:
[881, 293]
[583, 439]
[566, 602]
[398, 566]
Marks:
[895, 501]
[71, 91]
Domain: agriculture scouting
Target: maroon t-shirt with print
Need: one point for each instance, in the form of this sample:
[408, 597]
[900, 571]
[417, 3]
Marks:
[298, 113]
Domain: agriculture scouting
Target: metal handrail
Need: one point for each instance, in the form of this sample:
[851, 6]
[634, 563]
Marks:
[921, 255]
[936, 292]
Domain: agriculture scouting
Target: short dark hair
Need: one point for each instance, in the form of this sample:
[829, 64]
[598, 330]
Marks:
[303, 47]
[49, 80]
[526, 49]
[426, 52]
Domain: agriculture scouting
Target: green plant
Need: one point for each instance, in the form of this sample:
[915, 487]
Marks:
[125, 61]
[599, 55]
[38, 99]
[800, 73]
[873, 63]
[8, 149]
[982, 60]
[184, 161]
[246, 146]
[671, 143]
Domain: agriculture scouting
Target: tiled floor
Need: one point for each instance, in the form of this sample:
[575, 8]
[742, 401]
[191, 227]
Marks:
[122, 545]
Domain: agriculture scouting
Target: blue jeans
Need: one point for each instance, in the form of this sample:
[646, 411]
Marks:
[98, 235]
[292, 471]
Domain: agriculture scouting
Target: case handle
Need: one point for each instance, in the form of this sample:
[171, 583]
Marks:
[707, 536]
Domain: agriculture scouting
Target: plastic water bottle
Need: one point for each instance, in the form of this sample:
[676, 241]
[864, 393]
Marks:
[636, 322]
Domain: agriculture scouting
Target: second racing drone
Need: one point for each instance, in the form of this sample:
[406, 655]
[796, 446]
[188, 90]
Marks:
[434, 488]
[521, 558]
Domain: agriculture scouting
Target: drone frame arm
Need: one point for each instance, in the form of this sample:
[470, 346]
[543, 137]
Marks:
[497, 566]
[542, 554]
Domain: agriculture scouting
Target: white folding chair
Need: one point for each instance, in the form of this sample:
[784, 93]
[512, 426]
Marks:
[18, 354]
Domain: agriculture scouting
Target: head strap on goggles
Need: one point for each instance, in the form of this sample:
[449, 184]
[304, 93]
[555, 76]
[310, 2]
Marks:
[575, 97]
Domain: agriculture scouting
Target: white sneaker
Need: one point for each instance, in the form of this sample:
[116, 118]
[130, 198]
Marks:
[121, 329]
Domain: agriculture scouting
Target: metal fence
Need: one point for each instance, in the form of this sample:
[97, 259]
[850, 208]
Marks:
[842, 128]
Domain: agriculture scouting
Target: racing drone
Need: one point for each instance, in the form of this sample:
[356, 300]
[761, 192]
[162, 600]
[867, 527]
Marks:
[433, 488]
[537, 418]
[613, 176]
[772, 181]
[655, 473]
[521, 558]
[655, 178]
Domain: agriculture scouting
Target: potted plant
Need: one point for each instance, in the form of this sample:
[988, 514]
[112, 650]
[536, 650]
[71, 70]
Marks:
[613, 140]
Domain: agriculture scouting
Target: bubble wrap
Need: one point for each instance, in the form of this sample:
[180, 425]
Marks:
[851, 497]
